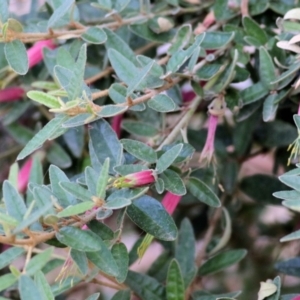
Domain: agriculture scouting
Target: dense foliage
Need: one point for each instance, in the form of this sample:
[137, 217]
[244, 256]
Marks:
[150, 131]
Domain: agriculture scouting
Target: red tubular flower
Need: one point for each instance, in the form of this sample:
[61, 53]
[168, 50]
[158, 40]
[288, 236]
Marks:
[208, 150]
[11, 94]
[170, 202]
[23, 176]
[136, 179]
[116, 124]
[35, 53]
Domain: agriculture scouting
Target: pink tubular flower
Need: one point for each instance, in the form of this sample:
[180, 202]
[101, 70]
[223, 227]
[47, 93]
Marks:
[208, 150]
[23, 176]
[116, 124]
[35, 53]
[170, 202]
[136, 179]
[11, 94]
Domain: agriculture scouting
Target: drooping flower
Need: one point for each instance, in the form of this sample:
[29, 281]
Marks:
[207, 153]
[35, 53]
[23, 176]
[116, 124]
[170, 202]
[11, 94]
[136, 179]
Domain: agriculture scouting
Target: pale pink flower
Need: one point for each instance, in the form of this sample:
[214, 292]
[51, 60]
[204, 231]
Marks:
[170, 202]
[136, 179]
[11, 94]
[116, 124]
[35, 53]
[23, 176]
[207, 153]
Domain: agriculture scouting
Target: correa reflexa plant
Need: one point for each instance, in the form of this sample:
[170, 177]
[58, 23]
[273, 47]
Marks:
[150, 150]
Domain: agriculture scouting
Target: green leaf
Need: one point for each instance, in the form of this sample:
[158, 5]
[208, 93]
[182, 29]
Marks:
[117, 203]
[82, 240]
[168, 158]
[261, 187]
[42, 136]
[64, 198]
[139, 150]
[38, 262]
[129, 194]
[74, 89]
[76, 209]
[182, 38]
[115, 42]
[270, 107]
[16, 55]
[14, 203]
[105, 143]
[93, 297]
[79, 257]
[76, 190]
[68, 283]
[289, 267]
[8, 220]
[4, 11]
[209, 71]
[129, 169]
[202, 192]
[253, 30]
[291, 237]
[34, 216]
[102, 180]
[185, 251]
[222, 261]
[173, 182]
[222, 11]
[79, 120]
[123, 67]
[44, 98]
[267, 72]
[215, 39]
[145, 286]
[9, 255]
[94, 35]
[120, 254]
[150, 215]
[101, 229]
[175, 285]
[6, 281]
[253, 93]
[121, 295]
[56, 154]
[162, 103]
[111, 110]
[104, 261]
[138, 83]
[28, 289]
[288, 195]
[43, 286]
[59, 13]
[139, 128]
[276, 295]
[145, 32]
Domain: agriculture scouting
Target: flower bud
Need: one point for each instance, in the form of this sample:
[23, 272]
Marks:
[11, 94]
[136, 179]
[35, 53]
